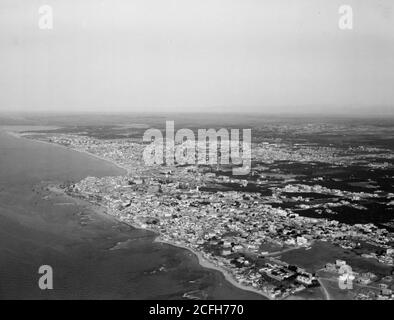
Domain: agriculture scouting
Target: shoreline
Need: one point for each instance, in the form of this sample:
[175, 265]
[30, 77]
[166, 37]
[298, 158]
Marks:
[16, 135]
[202, 261]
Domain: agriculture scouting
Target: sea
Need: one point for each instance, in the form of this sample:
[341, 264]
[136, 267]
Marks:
[92, 255]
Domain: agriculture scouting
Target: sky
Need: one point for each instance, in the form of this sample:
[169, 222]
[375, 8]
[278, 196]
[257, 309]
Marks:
[269, 56]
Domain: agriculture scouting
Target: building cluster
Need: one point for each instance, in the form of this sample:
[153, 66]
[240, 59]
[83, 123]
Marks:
[364, 282]
[229, 228]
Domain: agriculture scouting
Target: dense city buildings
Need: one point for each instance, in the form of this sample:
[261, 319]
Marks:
[260, 228]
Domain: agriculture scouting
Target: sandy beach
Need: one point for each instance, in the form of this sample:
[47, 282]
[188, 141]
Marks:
[210, 265]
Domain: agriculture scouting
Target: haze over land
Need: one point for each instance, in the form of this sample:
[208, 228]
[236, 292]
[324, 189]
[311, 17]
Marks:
[197, 56]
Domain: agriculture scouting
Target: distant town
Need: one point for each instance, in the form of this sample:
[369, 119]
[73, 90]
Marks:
[283, 230]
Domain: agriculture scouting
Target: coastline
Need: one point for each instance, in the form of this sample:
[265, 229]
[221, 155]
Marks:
[16, 135]
[202, 261]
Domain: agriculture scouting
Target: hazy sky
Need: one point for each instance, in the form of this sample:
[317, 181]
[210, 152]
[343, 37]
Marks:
[197, 55]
